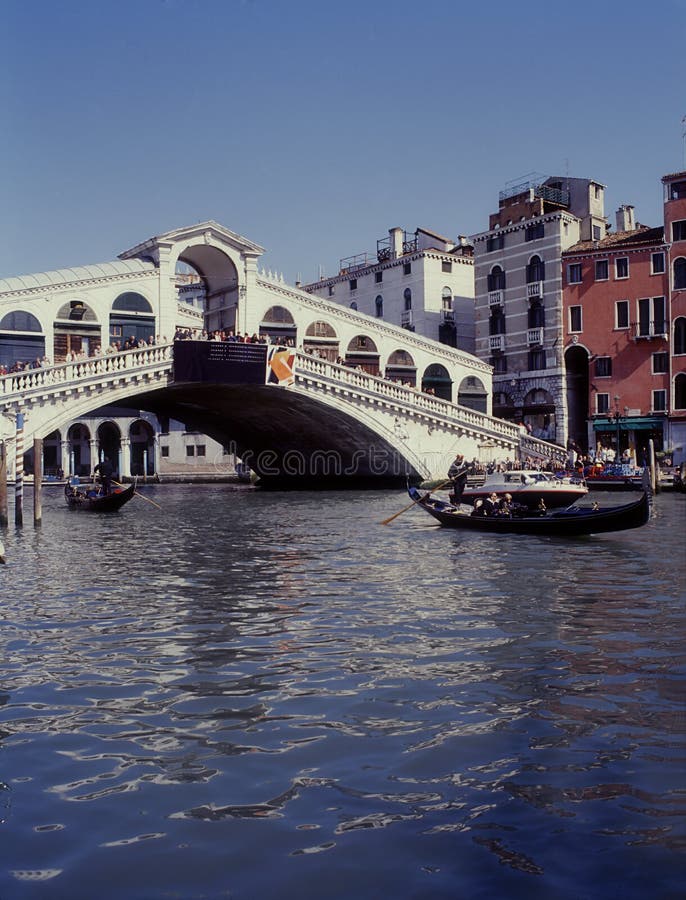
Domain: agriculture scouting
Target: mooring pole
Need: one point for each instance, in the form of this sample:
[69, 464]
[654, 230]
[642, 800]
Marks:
[19, 473]
[4, 520]
[37, 481]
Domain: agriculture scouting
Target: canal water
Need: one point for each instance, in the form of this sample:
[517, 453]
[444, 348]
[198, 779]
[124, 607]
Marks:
[247, 695]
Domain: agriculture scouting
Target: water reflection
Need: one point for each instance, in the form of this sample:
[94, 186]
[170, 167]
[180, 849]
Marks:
[431, 704]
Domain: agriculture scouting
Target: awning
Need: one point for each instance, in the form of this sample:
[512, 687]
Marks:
[630, 423]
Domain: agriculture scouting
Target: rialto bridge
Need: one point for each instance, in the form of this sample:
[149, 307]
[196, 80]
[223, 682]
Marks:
[363, 399]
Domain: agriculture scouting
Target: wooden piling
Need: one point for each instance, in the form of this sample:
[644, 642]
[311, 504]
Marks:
[4, 519]
[37, 481]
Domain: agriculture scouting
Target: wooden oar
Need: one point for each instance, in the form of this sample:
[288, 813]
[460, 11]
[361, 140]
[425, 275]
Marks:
[410, 505]
[147, 499]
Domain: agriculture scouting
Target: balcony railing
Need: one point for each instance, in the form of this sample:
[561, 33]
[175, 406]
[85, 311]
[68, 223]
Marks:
[496, 342]
[448, 315]
[406, 319]
[534, 336]
[534, 289]
[495, 298]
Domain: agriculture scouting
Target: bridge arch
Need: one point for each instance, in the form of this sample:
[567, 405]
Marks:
[436, 380]
[218, 269]
[321, 340]
[109, 442]
[279, 326]
[472, 394]
[22, 338]
[79, 446]
[142, 448]
[401, 367]
[363, 352]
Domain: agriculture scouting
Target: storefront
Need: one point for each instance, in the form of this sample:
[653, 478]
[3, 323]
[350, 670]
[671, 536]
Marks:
[631, 433]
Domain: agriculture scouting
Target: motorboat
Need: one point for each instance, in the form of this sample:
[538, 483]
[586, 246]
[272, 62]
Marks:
[526, 487]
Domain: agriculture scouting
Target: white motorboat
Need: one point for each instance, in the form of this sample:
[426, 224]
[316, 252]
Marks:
[526, 487]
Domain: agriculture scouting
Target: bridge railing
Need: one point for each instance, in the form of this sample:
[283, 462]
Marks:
[372, 384]
[16, 384]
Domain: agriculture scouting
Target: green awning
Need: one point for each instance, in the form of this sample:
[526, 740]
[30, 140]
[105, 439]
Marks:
[630, 423]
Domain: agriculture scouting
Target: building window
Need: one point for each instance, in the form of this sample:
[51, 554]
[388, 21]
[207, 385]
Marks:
[378, 303]
[680, 335]
[164, 451]
[332, 290]
[499, 364]
[407, 297]
[622, 267]
[536, 315]
[496, 279]
[200, 450]
[574, 273]
[496, 321]
[495, 242]
[190, 450]
[535, 270]
[601, 270]
[651, 316]
[603, 367]
[353, 305]
[596, 232]
[534, 232]
[679, 274]
[679, 230]
[353, 284]
[575, 321]
[602, 403]
[660, 363]
[446, 266]
[659, 400]
[407, 269]
[657, 264]
[536, 360]
[378, 277]
[680, 391]
[621, 314]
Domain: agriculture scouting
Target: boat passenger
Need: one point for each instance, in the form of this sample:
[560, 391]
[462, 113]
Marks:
[491, 504]
[505, 507]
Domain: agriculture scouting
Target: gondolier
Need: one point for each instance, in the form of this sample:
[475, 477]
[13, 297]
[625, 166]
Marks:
[457, 473]
[106, 471]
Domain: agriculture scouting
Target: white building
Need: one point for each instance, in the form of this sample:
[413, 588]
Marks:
[421, 281]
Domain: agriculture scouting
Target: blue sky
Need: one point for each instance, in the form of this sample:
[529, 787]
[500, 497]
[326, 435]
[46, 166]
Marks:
[314, 127]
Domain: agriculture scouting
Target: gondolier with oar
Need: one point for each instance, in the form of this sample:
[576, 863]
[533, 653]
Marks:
[457, 473]
[106, 471]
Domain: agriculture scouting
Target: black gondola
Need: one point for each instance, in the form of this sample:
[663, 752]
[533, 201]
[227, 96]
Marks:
[93, 500]
[570, 522]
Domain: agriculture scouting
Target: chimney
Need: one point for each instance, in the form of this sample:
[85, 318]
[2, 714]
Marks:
[397, 236]
[625, 218]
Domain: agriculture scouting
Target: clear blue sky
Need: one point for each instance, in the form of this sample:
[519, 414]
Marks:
[311, 127]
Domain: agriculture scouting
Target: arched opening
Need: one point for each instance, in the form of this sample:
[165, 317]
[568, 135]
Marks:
[437, 381]
[535, 270]
[22, 342]
[109, 444]
[401, 368]
[472, 394]
[538, 414]
[496, 279]
[362, 354]
[52, 455]
[407, 298]
[79, 443]
[321, 340]
[680, 391]
[680, 273]
[131, 319]
[536, 315]
[77, 331]
[378, 306]
[212, 282]
[278, 325]
[577, 386]
[680, 335]
[142, 443]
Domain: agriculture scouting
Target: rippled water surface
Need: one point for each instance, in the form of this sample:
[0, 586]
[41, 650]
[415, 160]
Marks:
[257, 695]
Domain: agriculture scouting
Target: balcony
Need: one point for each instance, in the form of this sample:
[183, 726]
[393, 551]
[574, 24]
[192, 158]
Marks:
[650, 330]
[406, 319]
[448, 315]
[495, 298]
[496, 342]
[534, 290]
[534, 337]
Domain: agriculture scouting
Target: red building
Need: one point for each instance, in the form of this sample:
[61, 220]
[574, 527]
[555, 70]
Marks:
[619, 359]
[675, 232]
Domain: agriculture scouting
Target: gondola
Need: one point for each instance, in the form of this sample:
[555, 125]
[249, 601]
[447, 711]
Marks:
[92, 500]
[570, 522]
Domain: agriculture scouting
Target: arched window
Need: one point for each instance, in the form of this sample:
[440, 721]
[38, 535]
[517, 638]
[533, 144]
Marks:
[680, 335]
[496, 279]
[353, 304]
[680, 391]
[679, 273]
[536, 315]
[279, 315]
[407, 295]
[130, 301]
[21, 338]
[19, 321]
[535, 270]
[379, 306]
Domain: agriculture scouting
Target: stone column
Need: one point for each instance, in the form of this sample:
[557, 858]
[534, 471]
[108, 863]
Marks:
[125, 458]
